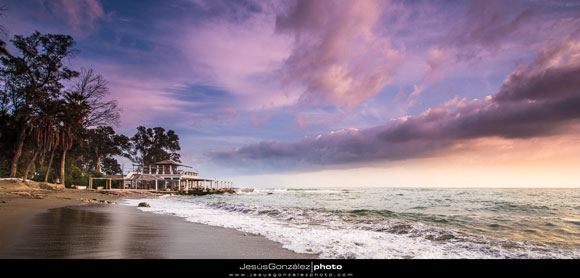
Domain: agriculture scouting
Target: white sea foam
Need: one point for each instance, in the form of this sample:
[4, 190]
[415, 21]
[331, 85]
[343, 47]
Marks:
[331, 237]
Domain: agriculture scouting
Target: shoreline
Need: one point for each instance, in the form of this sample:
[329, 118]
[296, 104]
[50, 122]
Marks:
[19, 202]
[60, 225]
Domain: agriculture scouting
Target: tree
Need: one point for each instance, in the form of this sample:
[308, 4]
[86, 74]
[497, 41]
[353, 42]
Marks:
[33, 78]
[3, 33]
[44, 129]
[152, 145]
[102, 143]
[111, 166]
[72, 129]
[93, 89]
[86, 107]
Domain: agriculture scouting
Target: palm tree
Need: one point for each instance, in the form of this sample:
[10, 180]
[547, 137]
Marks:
[44, 131]
[52, 145]
[77, 110]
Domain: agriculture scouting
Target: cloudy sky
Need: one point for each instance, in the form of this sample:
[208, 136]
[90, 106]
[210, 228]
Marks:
[340, 93]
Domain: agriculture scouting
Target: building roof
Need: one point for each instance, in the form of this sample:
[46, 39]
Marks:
[170, 162]
[167, 162]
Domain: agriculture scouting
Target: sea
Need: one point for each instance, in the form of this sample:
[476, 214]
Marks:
[402, 223]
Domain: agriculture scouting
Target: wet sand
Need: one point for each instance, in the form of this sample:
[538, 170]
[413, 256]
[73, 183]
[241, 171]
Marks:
[96, 231]
[20, 201]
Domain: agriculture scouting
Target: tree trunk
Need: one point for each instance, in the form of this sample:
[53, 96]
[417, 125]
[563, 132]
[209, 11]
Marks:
[30, 163]
[42, 157]
[49, 165]
[99, 164]
[18, 153]
[62, 162]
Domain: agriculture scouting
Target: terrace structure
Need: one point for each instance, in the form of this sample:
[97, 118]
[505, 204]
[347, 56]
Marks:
[167, 176]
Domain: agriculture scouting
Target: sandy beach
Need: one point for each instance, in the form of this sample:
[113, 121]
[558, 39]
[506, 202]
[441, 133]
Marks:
[45, 223]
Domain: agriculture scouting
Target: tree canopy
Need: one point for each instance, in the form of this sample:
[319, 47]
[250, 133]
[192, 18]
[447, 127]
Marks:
[153, 144]
[51, 112]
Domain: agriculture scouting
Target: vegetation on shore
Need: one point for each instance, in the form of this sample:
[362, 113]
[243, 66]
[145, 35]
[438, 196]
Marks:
[57, 123]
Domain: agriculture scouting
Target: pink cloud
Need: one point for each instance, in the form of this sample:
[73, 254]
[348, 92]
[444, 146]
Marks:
[534, 101]
[259, 118]
[312, 52]
[301, 121]
[230, 112]
[315, 118]
[436, 61]
[80, 14]
[489, 26]
[435, 67]
[241, 58]
[338, 55]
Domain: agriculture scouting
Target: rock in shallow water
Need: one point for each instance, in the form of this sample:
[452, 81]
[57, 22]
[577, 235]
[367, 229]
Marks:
[144, 205]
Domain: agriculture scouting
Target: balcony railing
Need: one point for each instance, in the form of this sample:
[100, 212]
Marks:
[161, 171]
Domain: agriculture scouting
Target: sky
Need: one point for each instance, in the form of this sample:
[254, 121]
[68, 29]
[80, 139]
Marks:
[340, 93]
